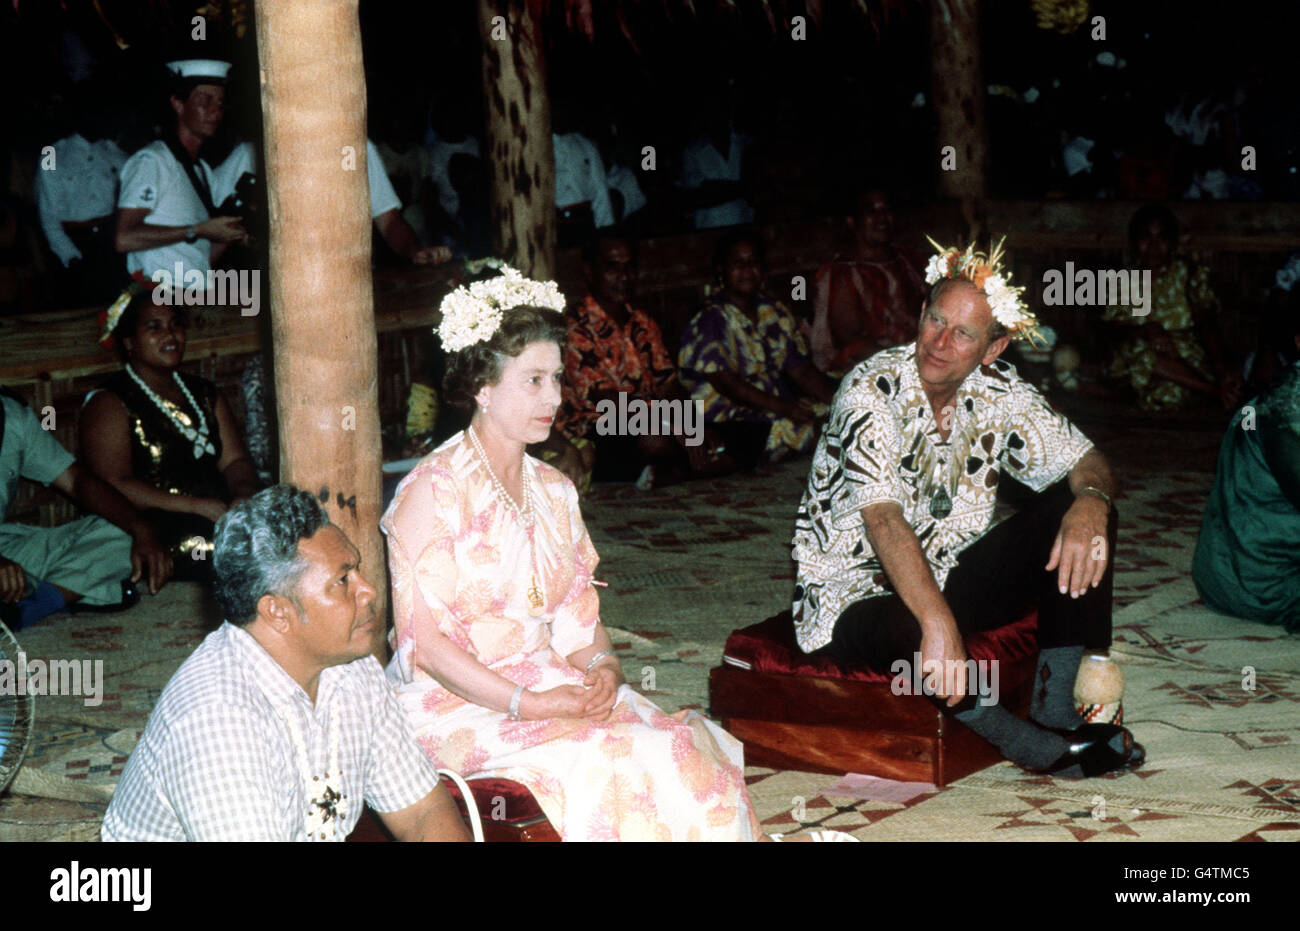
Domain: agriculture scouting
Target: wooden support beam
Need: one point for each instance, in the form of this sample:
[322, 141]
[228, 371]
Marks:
[322, 308]
[957, 93]
[519, 136]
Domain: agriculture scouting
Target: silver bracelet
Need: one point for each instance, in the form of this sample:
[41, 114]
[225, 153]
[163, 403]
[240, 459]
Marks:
[594, 660]
[514, 702]
[1091, 490]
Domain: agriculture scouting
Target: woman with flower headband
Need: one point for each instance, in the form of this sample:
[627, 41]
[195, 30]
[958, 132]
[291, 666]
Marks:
[168, 442]
[500, 659]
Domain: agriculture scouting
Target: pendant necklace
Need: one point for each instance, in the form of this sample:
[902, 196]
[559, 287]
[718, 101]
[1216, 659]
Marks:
[526, 517]
[199, 437]
[942, 469]
[328, 805]
[940, 504]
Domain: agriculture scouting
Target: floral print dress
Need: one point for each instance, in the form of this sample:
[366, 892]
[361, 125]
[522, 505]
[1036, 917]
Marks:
[464, 572]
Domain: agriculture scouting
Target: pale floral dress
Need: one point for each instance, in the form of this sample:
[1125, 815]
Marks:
[641, 775]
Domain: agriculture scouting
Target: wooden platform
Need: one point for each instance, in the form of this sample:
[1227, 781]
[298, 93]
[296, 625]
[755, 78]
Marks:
[795, 710]
[840, 726]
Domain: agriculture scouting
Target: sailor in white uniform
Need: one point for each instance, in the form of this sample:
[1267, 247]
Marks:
[165, 209]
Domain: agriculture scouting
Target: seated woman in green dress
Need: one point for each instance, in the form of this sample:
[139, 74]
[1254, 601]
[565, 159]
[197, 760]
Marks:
[1172, 352]
[1247, 560]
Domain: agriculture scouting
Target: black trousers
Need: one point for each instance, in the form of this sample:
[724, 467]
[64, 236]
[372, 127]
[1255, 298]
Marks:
[997, 578]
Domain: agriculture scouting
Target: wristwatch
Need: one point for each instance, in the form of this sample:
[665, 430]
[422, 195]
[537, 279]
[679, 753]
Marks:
[191, 235]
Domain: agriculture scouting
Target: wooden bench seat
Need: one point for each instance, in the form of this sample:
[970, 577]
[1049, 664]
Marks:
[795, 711]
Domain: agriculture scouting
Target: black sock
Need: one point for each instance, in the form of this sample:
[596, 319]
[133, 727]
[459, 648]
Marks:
[1052, 704]
[1019, 741]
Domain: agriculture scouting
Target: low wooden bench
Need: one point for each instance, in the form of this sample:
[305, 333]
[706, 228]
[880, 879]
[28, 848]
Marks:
[809, 713]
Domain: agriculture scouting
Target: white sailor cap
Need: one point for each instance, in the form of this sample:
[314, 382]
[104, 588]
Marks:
[201, 70]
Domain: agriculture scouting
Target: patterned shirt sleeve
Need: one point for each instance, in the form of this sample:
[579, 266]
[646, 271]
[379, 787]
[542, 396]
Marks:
[217, 771]
[705, 347]
[574, 626]
[398, 773]
[864, 440]
[579, 377]
[1199, 294]
[1042, 445]
[793, 347]
[649, 341]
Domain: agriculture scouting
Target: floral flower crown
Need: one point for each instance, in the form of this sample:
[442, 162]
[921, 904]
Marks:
[108, 319]
[472, 314]
[985, 272]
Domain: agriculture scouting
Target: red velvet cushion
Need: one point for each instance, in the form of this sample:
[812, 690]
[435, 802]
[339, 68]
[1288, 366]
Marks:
[770, 647]
[520, 806]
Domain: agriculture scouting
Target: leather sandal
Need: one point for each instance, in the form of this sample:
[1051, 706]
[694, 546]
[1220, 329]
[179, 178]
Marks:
[1090, 750]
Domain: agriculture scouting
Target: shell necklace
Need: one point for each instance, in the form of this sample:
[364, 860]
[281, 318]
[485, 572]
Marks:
[328, 805]
[199, 437]
[526, 517]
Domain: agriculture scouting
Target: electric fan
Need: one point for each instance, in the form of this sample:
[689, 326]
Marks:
[15, 711]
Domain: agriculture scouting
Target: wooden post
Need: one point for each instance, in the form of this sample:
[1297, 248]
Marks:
[322, 310]
[957, 91]
[519, 136]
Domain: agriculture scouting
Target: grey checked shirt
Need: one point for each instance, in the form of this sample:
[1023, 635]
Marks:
[218, 762]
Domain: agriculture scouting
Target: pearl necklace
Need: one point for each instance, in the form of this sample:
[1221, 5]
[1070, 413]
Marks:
[198, 437]
[526, 517]
[328, 806]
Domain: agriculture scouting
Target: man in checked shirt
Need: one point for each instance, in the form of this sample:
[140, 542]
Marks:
[281, 725]
[896, 555]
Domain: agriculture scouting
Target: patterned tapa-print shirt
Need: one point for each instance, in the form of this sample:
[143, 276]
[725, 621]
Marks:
[600, 355]
[882, 444]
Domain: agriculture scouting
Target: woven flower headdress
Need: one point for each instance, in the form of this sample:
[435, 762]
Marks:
[472, 314]
[985, 272]
[108, 319]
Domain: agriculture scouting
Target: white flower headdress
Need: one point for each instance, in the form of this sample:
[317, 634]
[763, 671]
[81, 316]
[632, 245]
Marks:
[472, 314]
[985, 272]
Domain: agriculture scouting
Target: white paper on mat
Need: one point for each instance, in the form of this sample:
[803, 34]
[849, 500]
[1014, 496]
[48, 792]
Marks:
[875, 789]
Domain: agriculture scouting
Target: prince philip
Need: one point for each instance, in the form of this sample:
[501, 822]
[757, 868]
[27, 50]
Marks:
[894, 540]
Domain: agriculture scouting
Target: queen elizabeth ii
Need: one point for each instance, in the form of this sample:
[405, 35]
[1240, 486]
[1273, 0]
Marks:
[500, 660]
